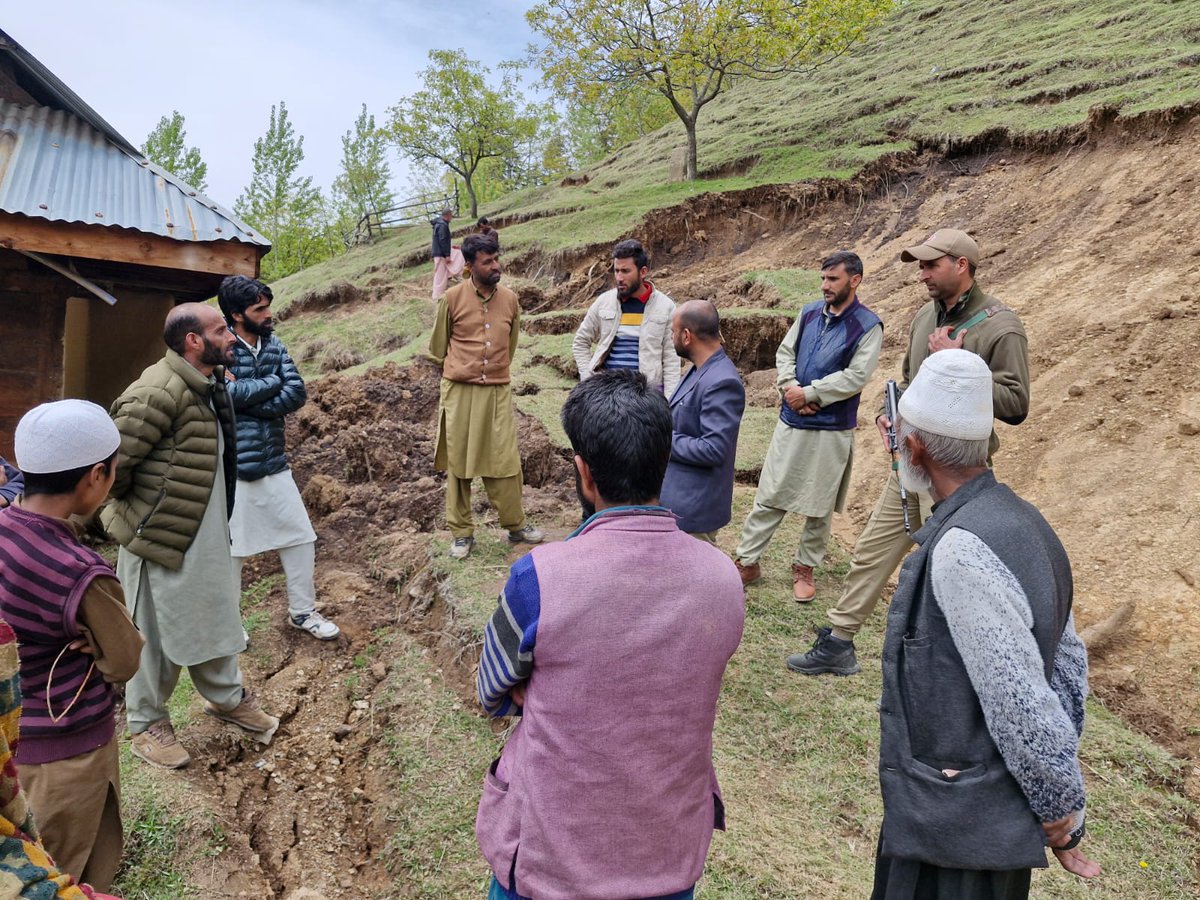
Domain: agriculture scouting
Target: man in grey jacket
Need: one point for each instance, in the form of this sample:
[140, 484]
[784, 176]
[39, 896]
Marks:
[629, 326]
[984, 677]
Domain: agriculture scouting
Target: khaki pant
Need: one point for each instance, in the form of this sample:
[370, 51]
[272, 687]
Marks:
[760, 528]
[77, 806]
[880, 548]
[708, 536]
[504, 493]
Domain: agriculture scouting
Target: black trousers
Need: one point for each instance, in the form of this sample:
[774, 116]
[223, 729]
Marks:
[907, 879]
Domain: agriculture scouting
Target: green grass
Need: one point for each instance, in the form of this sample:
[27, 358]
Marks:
[794, 286]
[796, 757]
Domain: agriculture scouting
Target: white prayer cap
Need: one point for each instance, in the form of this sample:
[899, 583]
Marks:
[951, 396]
[64, 435]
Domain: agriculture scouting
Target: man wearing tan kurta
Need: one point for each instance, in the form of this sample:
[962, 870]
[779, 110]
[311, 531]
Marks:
[475, 334]
[822, 365]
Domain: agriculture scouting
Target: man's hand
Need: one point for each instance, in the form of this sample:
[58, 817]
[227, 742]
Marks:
[518, 693]
[1059, 831]
[82, 646]
[794, 397]
[229, 376]
[1077, 864]
[883, 423]
[941, 340]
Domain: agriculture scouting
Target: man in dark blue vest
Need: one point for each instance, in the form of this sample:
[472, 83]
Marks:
[822, 364]
[984, 677]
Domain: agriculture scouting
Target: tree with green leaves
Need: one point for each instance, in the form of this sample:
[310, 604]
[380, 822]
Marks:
[690, 51]
[364, 184]
[166, 147]
[459, 119]
[282, 204]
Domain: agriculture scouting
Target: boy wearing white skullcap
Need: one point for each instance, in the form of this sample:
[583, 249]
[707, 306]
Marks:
[984, 677]
[76, 637]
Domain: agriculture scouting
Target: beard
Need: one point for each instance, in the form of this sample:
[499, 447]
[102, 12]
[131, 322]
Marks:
[215, 355]
[263, 329]
[487, 280]
[629, 290]
[913, 479]
[588, 508]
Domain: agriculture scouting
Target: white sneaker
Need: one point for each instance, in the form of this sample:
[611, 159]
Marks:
[316, 625]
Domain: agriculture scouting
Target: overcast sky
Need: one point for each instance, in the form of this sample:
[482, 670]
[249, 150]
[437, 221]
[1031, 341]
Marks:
[223, 63]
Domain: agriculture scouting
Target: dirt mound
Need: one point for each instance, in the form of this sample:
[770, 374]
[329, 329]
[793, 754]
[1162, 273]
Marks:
[313, 809]
[340, 293]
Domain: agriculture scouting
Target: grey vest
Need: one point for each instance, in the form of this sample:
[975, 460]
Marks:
[930, 717]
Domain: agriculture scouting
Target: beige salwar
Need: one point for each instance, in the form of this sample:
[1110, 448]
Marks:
[189, 617]
[76, 804]
[807, 471]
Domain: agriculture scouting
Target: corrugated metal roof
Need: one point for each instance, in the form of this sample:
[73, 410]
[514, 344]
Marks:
[56, 166]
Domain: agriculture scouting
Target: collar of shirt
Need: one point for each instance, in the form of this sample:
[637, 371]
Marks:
[483, 299]
[647, 290]
[253, 348]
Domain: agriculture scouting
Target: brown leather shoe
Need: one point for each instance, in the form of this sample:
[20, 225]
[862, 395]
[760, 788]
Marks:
[158, 746]
[750, 574]
[803, 588]
[248, 716]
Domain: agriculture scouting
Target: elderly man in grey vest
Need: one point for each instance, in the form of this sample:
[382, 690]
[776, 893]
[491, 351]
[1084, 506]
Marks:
[984, 677]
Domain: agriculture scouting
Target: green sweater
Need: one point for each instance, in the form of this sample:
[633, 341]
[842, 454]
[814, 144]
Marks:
[999, 339]
[168, 459]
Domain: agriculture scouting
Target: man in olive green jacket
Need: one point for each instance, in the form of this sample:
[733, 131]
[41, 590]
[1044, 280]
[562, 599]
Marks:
[170, 505]
[958, 315]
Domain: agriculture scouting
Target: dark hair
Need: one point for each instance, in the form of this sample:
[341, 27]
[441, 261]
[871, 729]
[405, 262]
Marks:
[178, 327]
[631, 249]
[971, 268]
[61, 482]
[483, 221]
[474, 244]
[850, 261]
[621, 427]
[701, 319]
[237, 294]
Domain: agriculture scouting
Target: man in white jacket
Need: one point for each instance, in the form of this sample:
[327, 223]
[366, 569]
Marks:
[629, 326]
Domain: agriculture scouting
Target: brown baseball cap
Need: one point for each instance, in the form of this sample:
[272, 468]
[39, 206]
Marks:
[944, 242]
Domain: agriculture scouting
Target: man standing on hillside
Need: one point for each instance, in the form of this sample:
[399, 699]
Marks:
[984, 677]
[959, 315]
[706, 414]
[169, 511]
[475, 331]
[269, 514]
[822, 365]
[611, 646]
[441, 252]
[629, 326]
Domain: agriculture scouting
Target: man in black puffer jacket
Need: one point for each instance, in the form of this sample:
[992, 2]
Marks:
[269, 515]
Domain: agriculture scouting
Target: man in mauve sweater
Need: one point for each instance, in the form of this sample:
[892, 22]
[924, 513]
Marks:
[611, 645]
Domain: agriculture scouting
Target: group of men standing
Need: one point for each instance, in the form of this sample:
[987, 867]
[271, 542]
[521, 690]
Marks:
[984, 676]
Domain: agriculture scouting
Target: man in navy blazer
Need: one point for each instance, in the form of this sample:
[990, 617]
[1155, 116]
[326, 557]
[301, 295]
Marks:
[706, 413]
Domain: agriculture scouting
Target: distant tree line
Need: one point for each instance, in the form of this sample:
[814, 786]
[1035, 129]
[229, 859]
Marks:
[617, 69]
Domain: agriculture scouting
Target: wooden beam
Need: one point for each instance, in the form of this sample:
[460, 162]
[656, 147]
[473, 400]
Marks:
[123, 245]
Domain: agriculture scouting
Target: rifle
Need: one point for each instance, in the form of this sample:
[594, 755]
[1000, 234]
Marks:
[891, 399]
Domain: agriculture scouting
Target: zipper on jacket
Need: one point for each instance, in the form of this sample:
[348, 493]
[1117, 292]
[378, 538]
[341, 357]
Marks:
[153, 509]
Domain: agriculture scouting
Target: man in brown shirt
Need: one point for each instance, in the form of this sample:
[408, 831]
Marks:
[474, 338]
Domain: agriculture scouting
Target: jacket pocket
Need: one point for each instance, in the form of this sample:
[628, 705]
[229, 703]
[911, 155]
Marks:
[162, 494]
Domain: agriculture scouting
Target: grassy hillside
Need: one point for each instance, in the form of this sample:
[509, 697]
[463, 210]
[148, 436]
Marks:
[935, 74]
